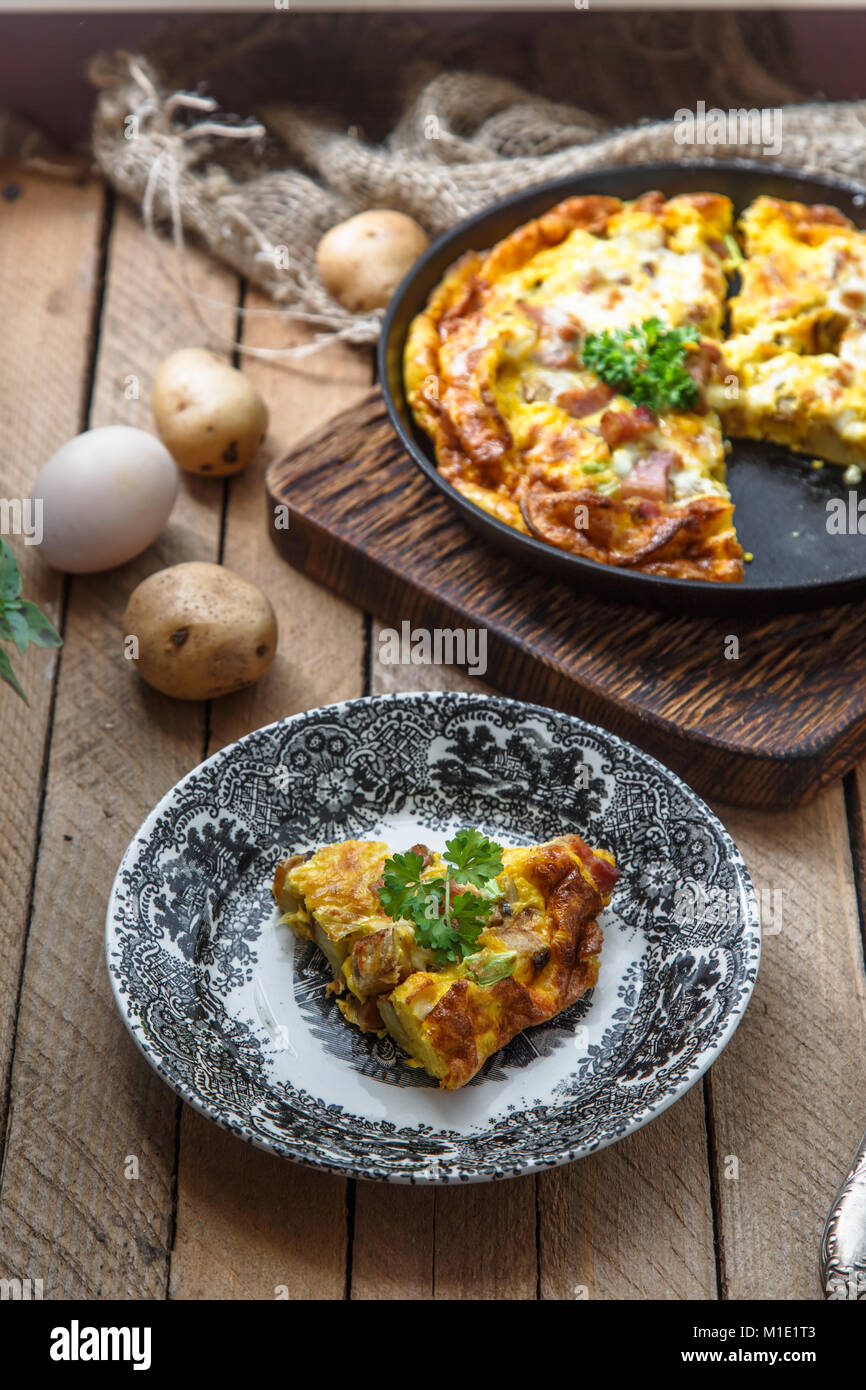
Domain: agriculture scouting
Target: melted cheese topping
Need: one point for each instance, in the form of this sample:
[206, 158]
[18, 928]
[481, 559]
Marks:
[607, 283]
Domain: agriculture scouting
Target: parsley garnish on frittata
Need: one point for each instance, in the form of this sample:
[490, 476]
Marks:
[645, 362]
[447, 915]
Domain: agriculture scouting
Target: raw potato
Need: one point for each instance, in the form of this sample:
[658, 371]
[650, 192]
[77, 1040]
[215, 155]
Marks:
[361, 262]
[208, 415]
[202, 631]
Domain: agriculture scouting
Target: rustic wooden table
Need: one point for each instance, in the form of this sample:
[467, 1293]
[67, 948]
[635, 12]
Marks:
[723, 1196]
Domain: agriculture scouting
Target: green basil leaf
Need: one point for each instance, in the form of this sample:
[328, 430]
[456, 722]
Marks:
[19, 627]
[10, 575]
[9, 676]
[41, 631]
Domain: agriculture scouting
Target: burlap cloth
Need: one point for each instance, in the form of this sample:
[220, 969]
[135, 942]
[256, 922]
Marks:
[259, 192]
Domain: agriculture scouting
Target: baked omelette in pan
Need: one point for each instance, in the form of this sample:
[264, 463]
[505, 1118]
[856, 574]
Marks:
[577, 380]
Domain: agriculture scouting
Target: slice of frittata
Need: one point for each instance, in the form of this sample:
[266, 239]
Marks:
[537, 953]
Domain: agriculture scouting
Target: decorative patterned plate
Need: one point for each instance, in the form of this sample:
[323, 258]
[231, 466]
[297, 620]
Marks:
[233, 1013]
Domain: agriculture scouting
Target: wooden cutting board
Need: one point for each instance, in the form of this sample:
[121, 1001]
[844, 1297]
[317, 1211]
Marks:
[758, 712]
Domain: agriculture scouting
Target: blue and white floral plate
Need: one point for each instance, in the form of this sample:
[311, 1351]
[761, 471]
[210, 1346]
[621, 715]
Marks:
[232, 1011]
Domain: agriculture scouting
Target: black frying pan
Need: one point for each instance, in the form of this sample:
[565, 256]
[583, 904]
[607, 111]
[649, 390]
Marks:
[781, 501]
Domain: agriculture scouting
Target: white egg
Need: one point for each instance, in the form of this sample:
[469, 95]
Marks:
[105, 496]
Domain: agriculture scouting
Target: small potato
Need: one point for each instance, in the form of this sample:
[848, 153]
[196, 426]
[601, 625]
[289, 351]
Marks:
[201, 631]
[208, 415]
[362, 261]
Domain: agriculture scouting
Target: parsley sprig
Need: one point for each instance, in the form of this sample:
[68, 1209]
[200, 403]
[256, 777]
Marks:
[448, 913]
[645, 362]
[21, 621]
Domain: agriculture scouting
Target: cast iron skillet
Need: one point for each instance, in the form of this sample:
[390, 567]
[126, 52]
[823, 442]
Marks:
[781, 511]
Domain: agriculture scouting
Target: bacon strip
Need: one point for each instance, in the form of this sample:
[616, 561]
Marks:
[619, 426]
[555, 334]
[580, 401]
[603, 872]
[650, 476]
[617, 531]
[700, 364]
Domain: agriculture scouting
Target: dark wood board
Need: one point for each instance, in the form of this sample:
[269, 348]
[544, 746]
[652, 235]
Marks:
[767, 728]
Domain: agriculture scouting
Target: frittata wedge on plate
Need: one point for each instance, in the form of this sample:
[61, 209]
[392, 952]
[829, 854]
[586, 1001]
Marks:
[537, 953]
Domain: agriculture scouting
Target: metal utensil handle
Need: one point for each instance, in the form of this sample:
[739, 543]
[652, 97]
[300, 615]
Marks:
[843, 1244]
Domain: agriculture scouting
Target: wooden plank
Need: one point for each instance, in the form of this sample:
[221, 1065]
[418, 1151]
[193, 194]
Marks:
[321, 648]
[248, 1223]
[787, 1093]
[368, 524]
[393, 1251]
[49, 254]
[486, 1241]
[634, 1221]
[855, 805]
[83, 1100]
[450, 1243]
